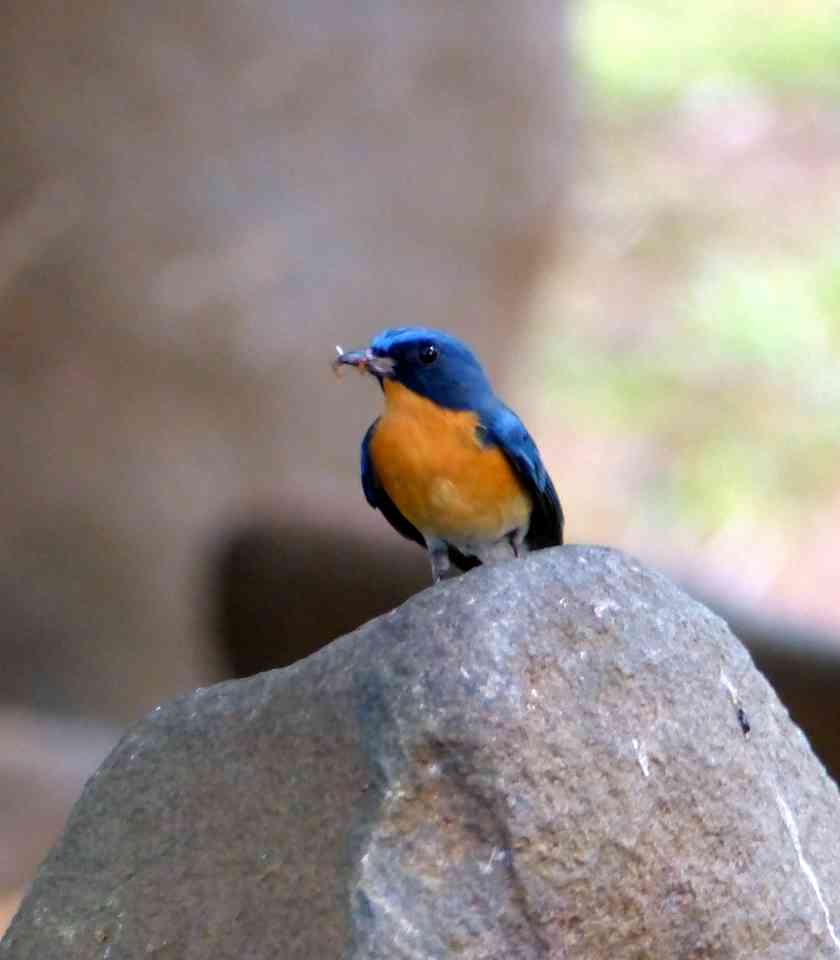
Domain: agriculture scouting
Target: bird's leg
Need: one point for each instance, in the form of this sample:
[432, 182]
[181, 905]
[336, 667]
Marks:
[517, 542]
[439, 557]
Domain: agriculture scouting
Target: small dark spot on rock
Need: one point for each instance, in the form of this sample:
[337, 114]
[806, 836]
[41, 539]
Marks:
[743, 721]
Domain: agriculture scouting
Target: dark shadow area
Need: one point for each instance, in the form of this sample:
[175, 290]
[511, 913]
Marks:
[280, 593]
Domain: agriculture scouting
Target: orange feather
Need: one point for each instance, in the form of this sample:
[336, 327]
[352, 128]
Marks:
[432, 465]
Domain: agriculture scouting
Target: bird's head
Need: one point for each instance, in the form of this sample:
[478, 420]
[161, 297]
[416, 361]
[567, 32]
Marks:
[428, 362]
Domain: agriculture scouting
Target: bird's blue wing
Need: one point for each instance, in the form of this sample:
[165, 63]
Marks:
[506, 431]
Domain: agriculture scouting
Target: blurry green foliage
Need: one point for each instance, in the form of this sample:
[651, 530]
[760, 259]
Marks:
[740, 389]
[713, 339]
[781, 312]
[639, 51]
[697, 322]
[699, 319]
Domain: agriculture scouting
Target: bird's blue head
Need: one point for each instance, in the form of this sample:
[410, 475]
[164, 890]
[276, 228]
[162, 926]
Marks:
[428, 362]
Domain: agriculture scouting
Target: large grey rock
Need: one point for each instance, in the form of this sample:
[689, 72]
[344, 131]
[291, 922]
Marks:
[564, 757]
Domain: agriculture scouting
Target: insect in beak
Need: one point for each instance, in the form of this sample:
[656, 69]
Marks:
[365, 361]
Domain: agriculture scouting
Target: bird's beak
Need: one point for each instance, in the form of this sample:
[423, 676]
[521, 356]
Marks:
[365, 361]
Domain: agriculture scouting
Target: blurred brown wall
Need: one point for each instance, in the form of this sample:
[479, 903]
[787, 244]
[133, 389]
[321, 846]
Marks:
[198, 201]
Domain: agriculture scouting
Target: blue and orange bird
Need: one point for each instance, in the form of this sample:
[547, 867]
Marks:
[447, 463]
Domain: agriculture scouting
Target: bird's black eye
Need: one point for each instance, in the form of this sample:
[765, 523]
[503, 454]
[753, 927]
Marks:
[428, 354]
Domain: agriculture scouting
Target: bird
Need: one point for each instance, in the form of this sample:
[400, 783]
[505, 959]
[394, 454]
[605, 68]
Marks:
[447, 464]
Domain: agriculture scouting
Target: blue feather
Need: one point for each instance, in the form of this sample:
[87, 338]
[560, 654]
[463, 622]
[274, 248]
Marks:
[506, 431]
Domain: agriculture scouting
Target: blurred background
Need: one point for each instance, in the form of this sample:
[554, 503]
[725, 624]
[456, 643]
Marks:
[628, 208]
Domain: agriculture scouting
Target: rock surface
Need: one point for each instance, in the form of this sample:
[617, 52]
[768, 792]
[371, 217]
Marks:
[564, 757]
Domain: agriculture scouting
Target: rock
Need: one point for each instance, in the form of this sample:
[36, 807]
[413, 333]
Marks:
[562, 757]
[257, 567]
[801, 661]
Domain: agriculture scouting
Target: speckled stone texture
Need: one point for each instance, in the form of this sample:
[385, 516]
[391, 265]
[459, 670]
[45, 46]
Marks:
[561, 757]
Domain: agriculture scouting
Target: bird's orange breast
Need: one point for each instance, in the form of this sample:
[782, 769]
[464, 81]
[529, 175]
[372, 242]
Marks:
[432, 465]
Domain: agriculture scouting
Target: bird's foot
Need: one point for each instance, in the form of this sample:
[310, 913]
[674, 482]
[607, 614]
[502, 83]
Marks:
[439, 558]
[517, 543]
